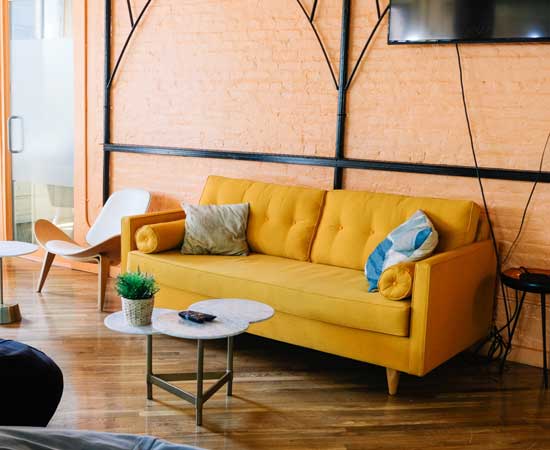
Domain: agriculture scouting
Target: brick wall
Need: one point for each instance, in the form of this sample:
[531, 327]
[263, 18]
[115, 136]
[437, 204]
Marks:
[248, 75]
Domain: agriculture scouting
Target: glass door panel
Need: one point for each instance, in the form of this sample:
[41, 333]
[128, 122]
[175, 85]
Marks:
[40, 127]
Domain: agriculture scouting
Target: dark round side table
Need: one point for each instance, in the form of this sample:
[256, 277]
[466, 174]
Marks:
[511, 278]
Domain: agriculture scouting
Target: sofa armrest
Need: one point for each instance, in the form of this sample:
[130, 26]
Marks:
[131, 224]
[452, 304]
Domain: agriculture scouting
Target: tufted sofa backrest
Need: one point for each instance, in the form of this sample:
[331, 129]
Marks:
[282, 220]
[338, 228]
[354, 223]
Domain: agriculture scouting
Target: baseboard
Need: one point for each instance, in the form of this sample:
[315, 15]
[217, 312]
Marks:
[529, 356]
[522, 355]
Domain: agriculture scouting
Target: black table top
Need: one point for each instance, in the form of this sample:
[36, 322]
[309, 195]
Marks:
[511, 278]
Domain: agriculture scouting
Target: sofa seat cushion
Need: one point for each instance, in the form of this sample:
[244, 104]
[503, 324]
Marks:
[319, 292]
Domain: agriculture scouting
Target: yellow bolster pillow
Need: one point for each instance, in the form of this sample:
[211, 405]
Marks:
[160, 237]
[396, 282]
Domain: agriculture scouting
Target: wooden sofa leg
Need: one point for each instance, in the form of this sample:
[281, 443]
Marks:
[102, 277]
[46, 264]
[392, 376]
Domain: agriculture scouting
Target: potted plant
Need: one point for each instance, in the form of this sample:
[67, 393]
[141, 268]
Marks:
[137, 292]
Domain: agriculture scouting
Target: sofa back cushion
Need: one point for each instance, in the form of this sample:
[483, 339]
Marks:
[282, 219]
[354, 223]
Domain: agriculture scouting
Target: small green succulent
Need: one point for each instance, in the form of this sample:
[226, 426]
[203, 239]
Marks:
[136, 285]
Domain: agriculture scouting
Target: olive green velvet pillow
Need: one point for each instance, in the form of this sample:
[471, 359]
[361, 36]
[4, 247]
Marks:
[215, 229]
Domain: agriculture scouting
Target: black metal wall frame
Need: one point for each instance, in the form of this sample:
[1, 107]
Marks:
[342, 84]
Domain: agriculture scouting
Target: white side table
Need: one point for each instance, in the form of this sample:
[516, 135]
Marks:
[11, 313]
[117, 322]
[249, 310]
[233, 316]
[220, 328]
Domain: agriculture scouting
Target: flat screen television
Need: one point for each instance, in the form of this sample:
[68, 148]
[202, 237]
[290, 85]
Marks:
[446, 21]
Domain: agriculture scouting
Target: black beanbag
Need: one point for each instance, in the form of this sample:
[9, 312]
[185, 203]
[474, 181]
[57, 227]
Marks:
[31, 385]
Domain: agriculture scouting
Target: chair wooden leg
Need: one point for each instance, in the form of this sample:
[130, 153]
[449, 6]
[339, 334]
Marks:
[393, 380]
[102, 276]
[46, 264]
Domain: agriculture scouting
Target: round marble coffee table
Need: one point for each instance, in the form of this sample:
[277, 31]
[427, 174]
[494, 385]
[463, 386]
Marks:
[11, 313]
[233, 317]
[220, 328]
[248, 310]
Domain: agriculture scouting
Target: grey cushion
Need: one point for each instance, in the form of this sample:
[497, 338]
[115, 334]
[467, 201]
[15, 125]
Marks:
[215, 229]
[47, 439]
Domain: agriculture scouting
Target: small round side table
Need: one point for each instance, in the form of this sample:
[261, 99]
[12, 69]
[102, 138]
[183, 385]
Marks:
[511, 278]
[233, 318]
[11, 313]
[117, 322]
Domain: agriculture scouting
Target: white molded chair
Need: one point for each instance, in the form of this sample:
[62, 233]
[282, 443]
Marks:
[103, 238]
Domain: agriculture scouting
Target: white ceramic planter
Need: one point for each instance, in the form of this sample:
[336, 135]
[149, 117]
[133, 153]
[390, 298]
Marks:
[138, 312]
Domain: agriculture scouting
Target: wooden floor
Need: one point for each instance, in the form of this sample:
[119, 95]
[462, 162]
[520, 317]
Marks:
[285, 397]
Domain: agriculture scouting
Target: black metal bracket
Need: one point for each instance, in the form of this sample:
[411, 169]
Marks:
[107, 102]
[338, 180]
[310, 18]
[134, 25]
[109, 78]
[367, 43]
[342, 83]
[493, 173]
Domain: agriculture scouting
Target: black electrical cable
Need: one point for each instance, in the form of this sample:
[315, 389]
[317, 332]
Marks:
[518, 235]
[474, 155]
[498, 345]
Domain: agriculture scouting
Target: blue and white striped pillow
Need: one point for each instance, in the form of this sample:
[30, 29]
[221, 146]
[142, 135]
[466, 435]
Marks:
[411, 241]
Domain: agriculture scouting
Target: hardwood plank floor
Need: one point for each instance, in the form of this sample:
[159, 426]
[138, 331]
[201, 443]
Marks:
[285, 397]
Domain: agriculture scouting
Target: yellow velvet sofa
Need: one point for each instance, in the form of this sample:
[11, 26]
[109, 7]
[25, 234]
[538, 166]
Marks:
[309, 247]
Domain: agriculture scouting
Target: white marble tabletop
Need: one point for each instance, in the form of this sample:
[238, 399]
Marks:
[117, 322]
[248, 310]
[16, 248]
[221, 327]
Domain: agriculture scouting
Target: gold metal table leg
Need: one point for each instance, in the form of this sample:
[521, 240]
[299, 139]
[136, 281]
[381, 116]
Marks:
[199, 399]
[149, 352]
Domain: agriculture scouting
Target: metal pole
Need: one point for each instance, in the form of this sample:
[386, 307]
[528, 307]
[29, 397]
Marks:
[543, 318]
[200, 375]
[107, 101]
[130, 13]
[511, 335]
[230, 366]
[1, 282]
[149, 366]
[342, 91]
